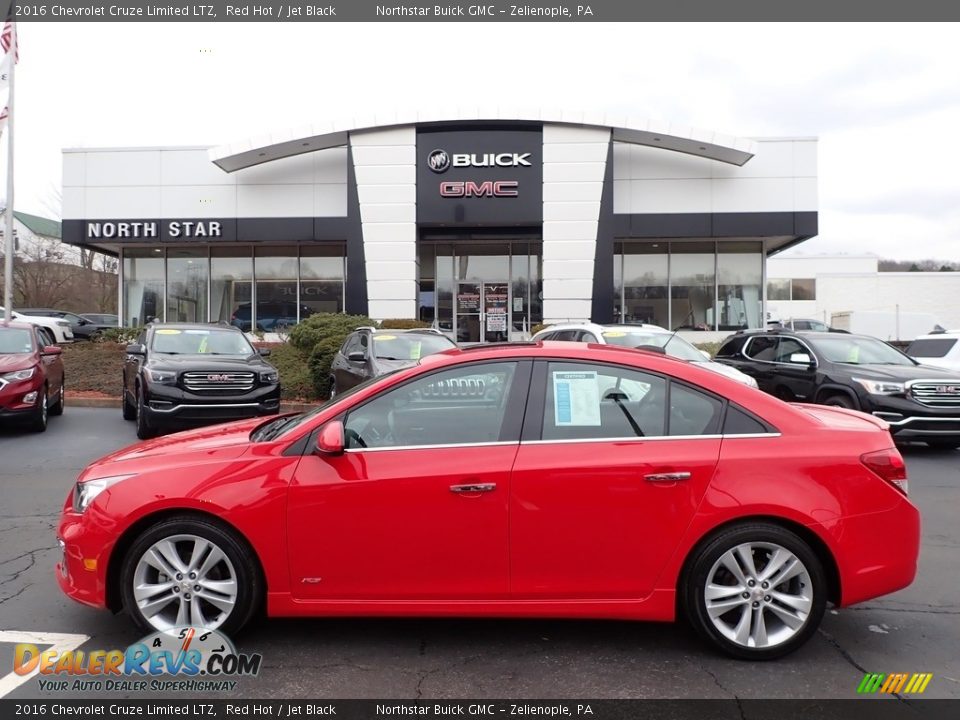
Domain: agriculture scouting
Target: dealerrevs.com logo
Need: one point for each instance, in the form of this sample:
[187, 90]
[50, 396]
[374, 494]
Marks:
[199, 659]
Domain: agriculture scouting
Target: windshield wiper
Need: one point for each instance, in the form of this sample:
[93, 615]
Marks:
[386, 357]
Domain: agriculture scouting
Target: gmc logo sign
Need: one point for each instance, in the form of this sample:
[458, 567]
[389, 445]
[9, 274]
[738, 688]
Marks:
[488, 188]
[218, 378]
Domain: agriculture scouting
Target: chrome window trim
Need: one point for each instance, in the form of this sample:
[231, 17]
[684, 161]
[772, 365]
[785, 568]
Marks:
[432, 447]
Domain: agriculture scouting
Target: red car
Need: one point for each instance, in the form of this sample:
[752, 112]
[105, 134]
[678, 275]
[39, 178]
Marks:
[533, 480]
[31, 376]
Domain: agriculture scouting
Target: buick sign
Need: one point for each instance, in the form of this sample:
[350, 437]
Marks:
[438, 161]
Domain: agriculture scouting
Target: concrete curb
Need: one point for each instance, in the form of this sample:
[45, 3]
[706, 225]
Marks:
[111, 402]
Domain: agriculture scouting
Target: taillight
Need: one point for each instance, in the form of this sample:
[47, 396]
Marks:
[889, 465]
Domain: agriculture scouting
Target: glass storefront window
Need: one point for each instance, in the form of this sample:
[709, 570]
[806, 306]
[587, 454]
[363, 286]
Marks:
[231, 285]
[321, 279]
[692, 285]
[644, 277]
[187, 284]
[739, 281]
[778, 289]
[143, 285]
[520, 287]
[803, 289]
[275, 294]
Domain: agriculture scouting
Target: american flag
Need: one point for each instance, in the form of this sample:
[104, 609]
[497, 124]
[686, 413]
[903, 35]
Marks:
[9, 36]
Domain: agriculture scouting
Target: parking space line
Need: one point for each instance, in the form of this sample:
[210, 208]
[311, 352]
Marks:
[59, 642]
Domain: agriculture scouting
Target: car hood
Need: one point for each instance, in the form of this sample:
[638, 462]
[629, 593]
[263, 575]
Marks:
[225, 363]
[183, 449]
[16, 361]
[727, 370]
[901, 373]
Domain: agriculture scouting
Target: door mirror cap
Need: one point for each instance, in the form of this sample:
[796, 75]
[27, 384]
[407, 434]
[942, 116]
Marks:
[136, 349]
[801, 359]
[263, 352]
[356, 356]
[706, 355]
[51, 350]
[330, 439]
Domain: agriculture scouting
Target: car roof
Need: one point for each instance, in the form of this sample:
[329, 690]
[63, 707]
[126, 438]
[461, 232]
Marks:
[16, 324]
[934, 336]
[803, 334]
[597, 327]
[193, 326]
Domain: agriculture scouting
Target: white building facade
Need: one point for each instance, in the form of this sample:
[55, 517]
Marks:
[484, 224]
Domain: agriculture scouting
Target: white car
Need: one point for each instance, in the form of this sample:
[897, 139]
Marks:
[937, 349]
[59, 327]
[651, 337]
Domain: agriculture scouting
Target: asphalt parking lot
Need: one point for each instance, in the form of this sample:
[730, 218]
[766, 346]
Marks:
[915, 630]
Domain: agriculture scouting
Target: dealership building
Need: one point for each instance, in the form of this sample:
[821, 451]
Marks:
[483, 223]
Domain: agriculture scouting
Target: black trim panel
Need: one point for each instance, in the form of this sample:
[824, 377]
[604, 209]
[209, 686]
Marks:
[356, 281]
[715, 225]
[602, 304]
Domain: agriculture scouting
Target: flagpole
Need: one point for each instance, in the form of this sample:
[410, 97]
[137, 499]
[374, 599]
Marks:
[8, 234]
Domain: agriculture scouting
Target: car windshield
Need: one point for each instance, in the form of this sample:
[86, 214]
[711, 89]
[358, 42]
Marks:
[15, 340]
[200, 341]
[409, 346]
[860, 351]
[673, 345]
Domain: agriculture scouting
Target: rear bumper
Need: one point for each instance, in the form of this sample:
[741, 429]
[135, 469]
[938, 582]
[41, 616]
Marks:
[877, 553]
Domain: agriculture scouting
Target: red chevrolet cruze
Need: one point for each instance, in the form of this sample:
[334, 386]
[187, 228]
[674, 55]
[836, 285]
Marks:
[547, 480]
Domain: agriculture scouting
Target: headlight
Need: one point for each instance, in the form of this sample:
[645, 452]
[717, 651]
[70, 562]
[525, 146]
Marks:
[86, 492]
[63, 323]
[164, 377]
[18, 375]
[880, 387]
[269, 377]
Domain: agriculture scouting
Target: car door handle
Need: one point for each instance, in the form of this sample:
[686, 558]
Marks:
[473, 488]
[667, 477]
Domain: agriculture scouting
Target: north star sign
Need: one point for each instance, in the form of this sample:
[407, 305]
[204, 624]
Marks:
[149, 229]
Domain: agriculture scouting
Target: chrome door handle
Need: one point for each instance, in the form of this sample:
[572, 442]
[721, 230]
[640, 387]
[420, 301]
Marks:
[476, 488]
[667, 477]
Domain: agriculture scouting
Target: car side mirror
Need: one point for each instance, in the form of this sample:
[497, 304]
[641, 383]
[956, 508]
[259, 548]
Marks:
[330, 440]
[800, 359]
[51, 350]
[136, 349]
[706, 355]
[263, 352]
[356, 356]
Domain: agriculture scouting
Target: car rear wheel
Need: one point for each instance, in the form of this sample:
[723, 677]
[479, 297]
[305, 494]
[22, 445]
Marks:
[57, 407]
[190, 571]
[40, 414]
[145, 430]
[756, 591]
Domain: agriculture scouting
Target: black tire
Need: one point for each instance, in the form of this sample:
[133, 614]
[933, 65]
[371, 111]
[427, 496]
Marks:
[57, 407]
[250, 585]
[145, 430]
[696, 578]
[943, 444]
[40, 416]
[839, 400]
[129, 409]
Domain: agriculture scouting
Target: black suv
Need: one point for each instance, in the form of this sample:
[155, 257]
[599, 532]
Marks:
[181, 374]
[368, 353]
[852, 371]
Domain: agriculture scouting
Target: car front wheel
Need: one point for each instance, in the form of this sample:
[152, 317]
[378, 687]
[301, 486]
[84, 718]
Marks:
[145, 430]
[40, 414]
[58, 405]
[190, 571]
[756, 591]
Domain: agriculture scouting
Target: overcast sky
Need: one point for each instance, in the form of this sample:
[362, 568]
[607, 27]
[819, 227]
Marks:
[883, 99]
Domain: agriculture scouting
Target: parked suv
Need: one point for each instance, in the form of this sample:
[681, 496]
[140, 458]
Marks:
[859, 372]
[368, 353]
[31, 375]
[644, 337]
[82, 328]
[181, 374]
[937, 349]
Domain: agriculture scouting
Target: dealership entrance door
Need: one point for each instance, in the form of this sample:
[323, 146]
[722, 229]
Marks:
[481, 286]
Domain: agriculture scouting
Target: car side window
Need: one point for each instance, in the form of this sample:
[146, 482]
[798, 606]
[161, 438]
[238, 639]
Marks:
[592, 401]
[43, 338]
[461, 405]
[788, 347]
[762, 348]
[693, 412]
[566, 335]
[739, 422]
[351, 344]
[587, 337]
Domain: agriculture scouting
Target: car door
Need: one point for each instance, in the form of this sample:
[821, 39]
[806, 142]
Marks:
[52, 364]
[416, 506]
[353, 372]
[131, 368]
[761, 354]
[612, 466]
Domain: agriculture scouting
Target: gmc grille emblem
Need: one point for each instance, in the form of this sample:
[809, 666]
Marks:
[218, 378]
[948, 389]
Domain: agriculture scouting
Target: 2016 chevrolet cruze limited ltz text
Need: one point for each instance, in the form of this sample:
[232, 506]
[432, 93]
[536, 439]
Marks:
[534, 480]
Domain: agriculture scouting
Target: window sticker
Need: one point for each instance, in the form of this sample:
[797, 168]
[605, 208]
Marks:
[167, 331]
[386, 337]
[576, 399]
[415, 350]
[614, 333]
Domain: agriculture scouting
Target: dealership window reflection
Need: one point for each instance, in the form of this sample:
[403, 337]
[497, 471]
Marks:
[322, 273]
[275, 292]
[187, 272]
[231, 286]
[143, 278]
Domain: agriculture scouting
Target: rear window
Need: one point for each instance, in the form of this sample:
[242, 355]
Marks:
[931, 347]
[731, 347]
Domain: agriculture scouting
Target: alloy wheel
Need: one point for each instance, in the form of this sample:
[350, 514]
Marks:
[185, 580]
[758, 594]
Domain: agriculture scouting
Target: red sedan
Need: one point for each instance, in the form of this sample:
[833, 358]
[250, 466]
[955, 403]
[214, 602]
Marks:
[31, 376]
[533, 480]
